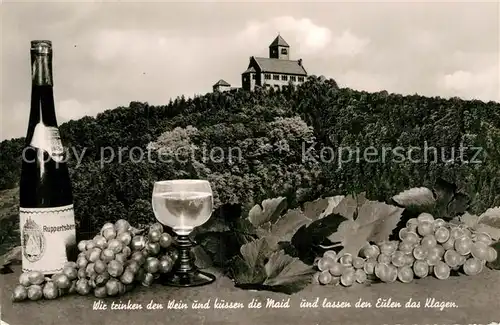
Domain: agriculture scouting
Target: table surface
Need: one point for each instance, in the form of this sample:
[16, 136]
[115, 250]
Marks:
[477, 299]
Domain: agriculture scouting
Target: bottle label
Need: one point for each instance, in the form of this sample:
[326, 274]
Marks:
[46, 236]
[47, 138]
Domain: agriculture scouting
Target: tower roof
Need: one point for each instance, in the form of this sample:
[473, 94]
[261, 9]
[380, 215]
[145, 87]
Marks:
[279, 41]
[222, 82]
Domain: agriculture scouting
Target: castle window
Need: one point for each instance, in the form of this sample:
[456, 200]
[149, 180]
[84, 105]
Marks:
[276, 77]
[284, 51]
[267, 76]
[253, 76]
[301, 79]
[284, 78]
[293, 78]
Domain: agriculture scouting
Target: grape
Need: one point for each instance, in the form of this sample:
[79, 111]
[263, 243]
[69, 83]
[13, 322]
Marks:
[483, 237]
[438, 223]
[442, 235]
[463, 245]
[480, 250]
[456, 233]
[335, 280]
[153, 248]
[90, 245]
[325, 277]
[346, 259]
[336, 269]
[166, 240]
[324, 263]
[121, 258]
[452, 258]
[428, 241]
[437, 250]
[370, 251]
[420, 269]
[381, 271]
[94, 254]
[369, 266]
[107, 225]
[20, 293]
[398, 259]
[425, 228]
[386, 248]
[449, 244]
[420, 252]
[331, 254]
[109, 233]
[107, 255]
[82, 245]
[360, 276]
[115, 245]
[433, 260]
[405, 247]
[35, 292]
[153, 265]
[358, 262]
[424, 216]
[115, 268]
[100, 241]
[392, 274]
[158, 226]
[138, 243]
[402, 233]
[125, 238]
[24, 279]
[121, 226]
[102, 279]
[36, 277]
[409, 259]
[347, 279]
[166, 265]
[384, 258]
[412, 238]
[412, 222]
[405, 274]
[473, 266]
[441, 271]
[492, 255]
[70, 272]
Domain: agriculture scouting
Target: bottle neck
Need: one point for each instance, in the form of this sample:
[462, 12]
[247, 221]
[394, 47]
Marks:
[42, 94]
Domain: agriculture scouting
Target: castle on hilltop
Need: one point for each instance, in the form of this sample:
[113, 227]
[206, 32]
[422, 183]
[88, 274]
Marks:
[276, 72]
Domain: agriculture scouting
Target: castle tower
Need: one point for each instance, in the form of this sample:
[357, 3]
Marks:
[279, 49]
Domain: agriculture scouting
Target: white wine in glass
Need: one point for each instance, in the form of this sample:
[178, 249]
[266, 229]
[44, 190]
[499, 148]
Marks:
[184, 204]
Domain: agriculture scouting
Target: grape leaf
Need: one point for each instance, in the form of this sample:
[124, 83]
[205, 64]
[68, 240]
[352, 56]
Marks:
[202, 258]
[287, 273]
[418, 196]
[286, 225]
[261, 268]
[269, 211]
[375, 222]
[248, 267]
[13, 256]
[488, 222]
[449, 201]
[348, 207]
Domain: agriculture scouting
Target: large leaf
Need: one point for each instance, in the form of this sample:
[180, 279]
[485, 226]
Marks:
[374, 222]
[261, 268]
[488, 222]
[269, 211]
[418, 196]
[348, 207]
[13, 256]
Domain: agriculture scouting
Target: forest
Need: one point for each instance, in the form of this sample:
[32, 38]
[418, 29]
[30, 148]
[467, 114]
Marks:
[283, 138]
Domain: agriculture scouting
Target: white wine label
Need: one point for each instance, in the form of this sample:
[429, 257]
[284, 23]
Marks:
[46, 235]
[48, 139]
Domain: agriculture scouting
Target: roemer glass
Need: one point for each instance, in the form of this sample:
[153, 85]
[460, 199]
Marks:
[182, 205]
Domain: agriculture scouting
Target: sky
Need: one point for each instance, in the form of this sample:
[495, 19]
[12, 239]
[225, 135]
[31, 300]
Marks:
[108, 54]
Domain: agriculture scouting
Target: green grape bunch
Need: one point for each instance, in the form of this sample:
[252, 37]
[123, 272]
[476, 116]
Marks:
[118, 258]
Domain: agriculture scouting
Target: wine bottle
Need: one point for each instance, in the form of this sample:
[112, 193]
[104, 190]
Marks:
[47, 222]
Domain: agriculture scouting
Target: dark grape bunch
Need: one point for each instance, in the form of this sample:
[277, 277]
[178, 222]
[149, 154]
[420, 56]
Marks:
[112, 263]
[427, 246]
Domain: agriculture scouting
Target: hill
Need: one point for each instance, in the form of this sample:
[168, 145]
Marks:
[282, 144]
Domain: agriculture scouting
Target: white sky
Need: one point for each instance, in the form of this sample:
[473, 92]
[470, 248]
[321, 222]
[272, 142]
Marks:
[108, 54]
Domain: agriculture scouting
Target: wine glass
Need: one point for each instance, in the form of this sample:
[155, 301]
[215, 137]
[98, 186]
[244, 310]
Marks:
[184, 204]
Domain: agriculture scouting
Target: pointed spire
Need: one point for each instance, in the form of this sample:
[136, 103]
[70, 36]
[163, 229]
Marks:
[279, 41]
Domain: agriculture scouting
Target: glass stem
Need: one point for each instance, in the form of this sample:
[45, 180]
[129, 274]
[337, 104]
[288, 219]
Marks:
[186, 264]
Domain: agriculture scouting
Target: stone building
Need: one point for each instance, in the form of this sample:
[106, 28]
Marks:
[221, 86]
[276, 71]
